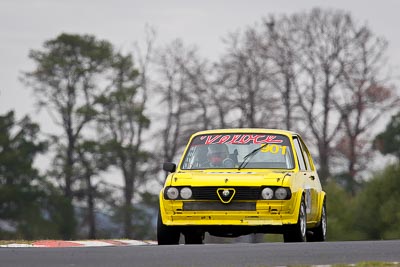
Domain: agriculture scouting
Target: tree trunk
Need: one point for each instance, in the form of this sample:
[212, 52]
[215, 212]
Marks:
[324, 172]
[351, 166]
[90, 204]
[68, 170]
[69, 228]
[128, 209]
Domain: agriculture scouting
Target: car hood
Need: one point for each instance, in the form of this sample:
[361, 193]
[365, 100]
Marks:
[219, 178]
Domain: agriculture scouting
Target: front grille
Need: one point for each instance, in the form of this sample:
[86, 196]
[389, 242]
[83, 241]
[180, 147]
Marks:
[218, 206]
[210, 193]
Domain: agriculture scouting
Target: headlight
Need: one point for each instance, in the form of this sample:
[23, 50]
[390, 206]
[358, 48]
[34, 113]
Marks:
[267, 193]
[281, 193]
[172, 193]
[186, 193]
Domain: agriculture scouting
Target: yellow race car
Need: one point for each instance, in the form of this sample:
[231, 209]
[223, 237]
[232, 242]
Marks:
[233, 182]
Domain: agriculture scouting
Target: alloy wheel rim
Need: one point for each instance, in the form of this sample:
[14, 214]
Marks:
[302, 221]
[323, 222]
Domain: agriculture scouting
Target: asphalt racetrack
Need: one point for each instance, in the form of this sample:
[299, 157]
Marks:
[221, 255]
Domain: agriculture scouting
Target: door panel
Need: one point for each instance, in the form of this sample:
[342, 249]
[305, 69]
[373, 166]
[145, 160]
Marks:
[310, 179]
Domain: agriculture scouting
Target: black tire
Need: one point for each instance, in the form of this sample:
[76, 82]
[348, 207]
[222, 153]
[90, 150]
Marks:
[166, 235]
[318, 234]
[194, 237]
[297, 232]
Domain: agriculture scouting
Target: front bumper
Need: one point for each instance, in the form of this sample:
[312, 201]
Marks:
[239, 213]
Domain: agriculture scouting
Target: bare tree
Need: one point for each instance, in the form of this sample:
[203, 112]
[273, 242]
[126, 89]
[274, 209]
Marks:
[143, 59]
[316, 72]
[184, 98]
[365, 96]
[243, 73]
[324, 48]
[340, 88]
[197, 74]
[280, 45]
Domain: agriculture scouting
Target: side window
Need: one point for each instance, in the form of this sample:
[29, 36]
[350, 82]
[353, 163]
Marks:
[306, 155]
[299, 154]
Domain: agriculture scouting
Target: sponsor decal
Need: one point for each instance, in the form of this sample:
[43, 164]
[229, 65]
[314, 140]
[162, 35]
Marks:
[239, 139]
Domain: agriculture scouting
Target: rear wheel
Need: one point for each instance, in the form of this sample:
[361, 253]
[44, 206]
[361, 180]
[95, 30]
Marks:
[297, 232]
[318, 234]
[166, 235]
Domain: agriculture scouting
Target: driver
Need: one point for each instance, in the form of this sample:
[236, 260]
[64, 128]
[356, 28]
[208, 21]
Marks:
[217, 155]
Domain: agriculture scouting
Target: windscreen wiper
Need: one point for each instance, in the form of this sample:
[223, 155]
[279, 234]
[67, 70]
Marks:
[250, 155]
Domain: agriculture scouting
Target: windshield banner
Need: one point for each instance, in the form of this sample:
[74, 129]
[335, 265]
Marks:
[239, 139]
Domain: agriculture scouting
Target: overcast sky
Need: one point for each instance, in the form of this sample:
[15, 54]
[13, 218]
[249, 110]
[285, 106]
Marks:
[26, 24]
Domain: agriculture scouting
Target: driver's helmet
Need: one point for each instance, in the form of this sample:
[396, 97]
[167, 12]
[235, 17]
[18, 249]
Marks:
[217, 153]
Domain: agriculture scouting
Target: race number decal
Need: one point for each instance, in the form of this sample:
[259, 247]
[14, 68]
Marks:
[274, 149]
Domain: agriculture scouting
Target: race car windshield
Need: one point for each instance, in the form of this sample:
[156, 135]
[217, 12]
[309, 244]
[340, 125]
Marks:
[239, 151]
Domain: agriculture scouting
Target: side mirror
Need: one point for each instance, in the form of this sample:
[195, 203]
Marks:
[169, 167]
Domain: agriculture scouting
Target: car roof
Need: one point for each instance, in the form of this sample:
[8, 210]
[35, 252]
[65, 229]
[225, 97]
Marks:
[246, 130]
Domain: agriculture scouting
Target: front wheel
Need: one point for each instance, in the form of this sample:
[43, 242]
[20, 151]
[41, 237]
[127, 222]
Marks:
[297, 232]
[166, 235]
